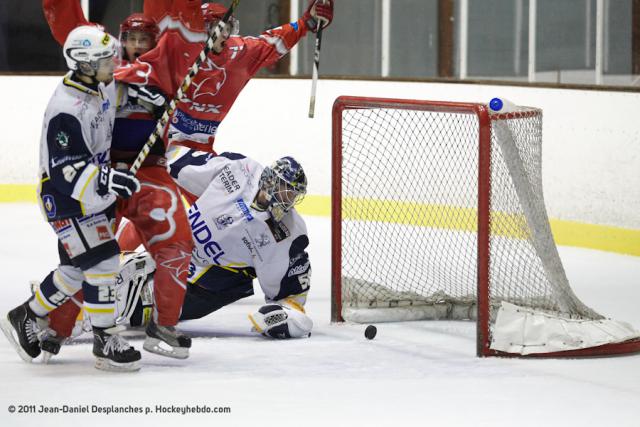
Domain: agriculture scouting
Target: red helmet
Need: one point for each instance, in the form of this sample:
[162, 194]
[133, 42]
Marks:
[213, 12]
[140, 22]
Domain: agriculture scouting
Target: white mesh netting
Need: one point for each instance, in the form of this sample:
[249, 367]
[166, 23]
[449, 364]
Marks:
[409, 217]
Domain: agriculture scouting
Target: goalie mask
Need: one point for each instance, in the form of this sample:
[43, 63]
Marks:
[284, 184]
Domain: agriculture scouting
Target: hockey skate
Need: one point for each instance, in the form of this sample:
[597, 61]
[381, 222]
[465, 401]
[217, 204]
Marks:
[50, 344]
[112, 352]
[166, 341]
[21, 328]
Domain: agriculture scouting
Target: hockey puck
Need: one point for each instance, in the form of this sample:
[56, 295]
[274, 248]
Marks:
[370, 332]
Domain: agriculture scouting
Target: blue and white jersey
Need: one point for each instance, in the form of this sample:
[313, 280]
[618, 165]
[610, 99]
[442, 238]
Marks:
[76, 138]
[230, 232]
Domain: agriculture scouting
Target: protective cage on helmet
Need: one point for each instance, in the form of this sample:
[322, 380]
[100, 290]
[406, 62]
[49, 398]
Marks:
[285, 185]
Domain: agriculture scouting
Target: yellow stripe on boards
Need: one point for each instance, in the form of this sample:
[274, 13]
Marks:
[565, 233]
[601, 237]
[315, 205]
[14, 193]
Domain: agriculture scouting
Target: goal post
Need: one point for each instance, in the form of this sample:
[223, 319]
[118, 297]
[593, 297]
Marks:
[438, 213]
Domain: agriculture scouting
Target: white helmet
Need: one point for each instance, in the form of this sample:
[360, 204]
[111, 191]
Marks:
[88, 44]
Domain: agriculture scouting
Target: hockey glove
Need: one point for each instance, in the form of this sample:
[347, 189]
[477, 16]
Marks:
[281, 322]
[223, 32]
[120, 182]
[318, 10]
[151, 98]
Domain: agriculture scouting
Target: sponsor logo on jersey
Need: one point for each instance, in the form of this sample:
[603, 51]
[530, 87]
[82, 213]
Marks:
[67, 249]
[248, 241]
[228, 180]
[62, 139]
[203, 235]
[263, 240]
[103, 233]
[100, 158]
[105, 105]
[61, 225]
[223, 221]
[249, 246]
[278, 229]
[298, 269]
[244, 210]
[57, 161]
[98, 120]
[186, 124]
[49, 205]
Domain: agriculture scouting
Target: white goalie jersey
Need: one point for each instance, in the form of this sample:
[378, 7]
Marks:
[231, 233]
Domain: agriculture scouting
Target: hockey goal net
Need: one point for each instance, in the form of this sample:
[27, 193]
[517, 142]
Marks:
[438, 213]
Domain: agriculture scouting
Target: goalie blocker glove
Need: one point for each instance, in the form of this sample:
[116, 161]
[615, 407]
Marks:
[120, 182]
[318, 11]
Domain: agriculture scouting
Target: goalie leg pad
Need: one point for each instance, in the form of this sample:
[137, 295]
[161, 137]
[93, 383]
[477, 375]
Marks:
[281, 322]
[134, 284]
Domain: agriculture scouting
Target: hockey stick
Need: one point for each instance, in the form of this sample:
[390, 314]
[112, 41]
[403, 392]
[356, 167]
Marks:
[213, 35]
[316, 65]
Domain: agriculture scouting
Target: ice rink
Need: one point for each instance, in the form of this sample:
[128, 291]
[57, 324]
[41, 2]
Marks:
[411, 374]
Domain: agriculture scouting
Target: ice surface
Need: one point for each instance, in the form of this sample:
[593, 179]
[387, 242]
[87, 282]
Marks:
[416, 373]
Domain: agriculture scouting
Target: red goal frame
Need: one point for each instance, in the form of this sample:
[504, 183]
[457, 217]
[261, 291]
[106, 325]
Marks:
[481, 111]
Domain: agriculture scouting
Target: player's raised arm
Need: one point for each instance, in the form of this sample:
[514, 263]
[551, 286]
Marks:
[171, 13]
[62, 17]
[273, 44]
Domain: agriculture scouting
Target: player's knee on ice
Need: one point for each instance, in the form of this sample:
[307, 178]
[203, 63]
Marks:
[277, 321]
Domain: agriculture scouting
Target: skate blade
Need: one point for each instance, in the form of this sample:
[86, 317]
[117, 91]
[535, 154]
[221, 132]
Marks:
[8, 330]
[46, 356]
[105, 364]
[153, 345]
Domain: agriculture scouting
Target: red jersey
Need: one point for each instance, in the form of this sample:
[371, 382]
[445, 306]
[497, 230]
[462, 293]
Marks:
[218, 82]
[215, 87]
